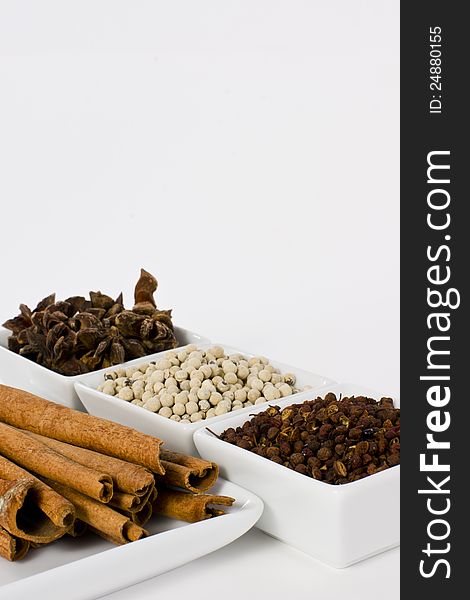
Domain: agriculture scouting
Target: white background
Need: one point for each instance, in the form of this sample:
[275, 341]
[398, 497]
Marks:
[244, 152]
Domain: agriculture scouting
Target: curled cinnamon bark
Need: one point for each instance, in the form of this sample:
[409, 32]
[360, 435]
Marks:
[127, 477]
[27, 411]
[34, 456]
[101, 519]
[59, 510]
[21, 516]
[189, 507]
[12, 548]
[188, 472]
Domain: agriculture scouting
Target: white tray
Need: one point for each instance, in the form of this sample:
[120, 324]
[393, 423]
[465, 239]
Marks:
[89, 567]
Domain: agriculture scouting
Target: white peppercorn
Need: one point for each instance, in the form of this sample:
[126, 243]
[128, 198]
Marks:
[198, 374]
[179, 408]
[229, 367]
[157, 376]
[158, 387]
[191, 407]
[221, 410]
[171, 382]
[285, 389]
[243, 372]
[215, 398]
[163, 364]
[165, 411]
[126, 393]
[182, 397]
[256, 384]
[271, 393]
[203, 394]
[231, 377]
[209, 382]
[183, 355]
[146, 395]
[181, 375]
[206, 371]
[223, 386]
[240, 395]
[204, 405]
[253, 395]
[166, 399]
[195, 383]
[108, 388]
[192, 397]
[194, 363]
[264, 375]
[153, 404]
[217, 351]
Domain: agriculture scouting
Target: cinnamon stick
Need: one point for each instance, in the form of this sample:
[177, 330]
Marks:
[78, 529]
[38, 458]
[102, 519]
[142, 516]
[27, 411]
[127, 477]
[12, 548]
[20, 515]
[189, 507]
[130, 502]
[59, 510]
[188, 472]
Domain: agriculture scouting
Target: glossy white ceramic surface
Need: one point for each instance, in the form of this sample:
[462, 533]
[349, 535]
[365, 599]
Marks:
[337, 524]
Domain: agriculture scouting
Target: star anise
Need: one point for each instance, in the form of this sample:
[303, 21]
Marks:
[77, 335]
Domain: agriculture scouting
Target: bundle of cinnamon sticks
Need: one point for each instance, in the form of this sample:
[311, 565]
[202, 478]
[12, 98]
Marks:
[63, 472]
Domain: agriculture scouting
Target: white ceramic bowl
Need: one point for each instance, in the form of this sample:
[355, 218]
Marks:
[337, 524]
[18, 371]
[177, 435]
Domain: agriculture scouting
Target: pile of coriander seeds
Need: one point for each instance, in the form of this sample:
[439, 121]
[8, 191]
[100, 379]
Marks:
[192, 384]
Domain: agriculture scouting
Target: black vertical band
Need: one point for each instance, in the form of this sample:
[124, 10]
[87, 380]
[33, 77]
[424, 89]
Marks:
[435, 259]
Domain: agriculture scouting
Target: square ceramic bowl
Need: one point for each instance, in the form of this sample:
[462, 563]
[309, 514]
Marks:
[18, 371]
[178, 436]
[336, 524]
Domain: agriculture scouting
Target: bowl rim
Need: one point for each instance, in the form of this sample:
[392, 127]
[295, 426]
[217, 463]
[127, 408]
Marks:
[192, 427]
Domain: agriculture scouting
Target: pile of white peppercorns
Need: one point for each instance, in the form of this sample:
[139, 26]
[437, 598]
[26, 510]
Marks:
[193, 384]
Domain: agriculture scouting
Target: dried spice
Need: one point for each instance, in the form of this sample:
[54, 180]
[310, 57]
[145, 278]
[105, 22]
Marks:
[335, 440]
[77, 335]
[195, 384]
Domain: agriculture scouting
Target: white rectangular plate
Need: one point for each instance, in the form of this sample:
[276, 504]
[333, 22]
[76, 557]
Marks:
[89, 567]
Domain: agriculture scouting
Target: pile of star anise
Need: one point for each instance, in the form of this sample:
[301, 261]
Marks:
[79, 335]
